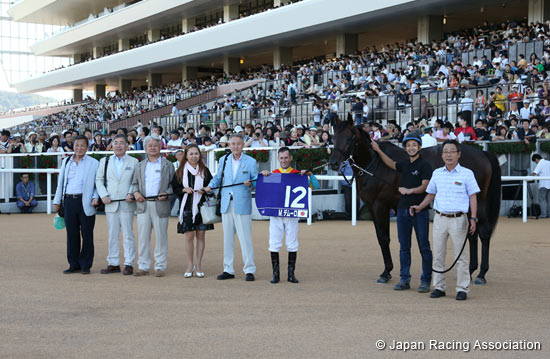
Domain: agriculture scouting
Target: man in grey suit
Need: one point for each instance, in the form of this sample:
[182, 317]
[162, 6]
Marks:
[152, 185]
[116, 184]
[76, 187]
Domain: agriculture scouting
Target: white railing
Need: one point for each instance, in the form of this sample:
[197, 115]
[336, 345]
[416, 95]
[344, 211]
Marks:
[524, 180]
[47, 171]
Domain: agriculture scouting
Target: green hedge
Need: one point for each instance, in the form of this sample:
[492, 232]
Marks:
[511, 147]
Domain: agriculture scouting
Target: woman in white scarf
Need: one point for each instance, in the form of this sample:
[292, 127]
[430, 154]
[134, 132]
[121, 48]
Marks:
[191, 176]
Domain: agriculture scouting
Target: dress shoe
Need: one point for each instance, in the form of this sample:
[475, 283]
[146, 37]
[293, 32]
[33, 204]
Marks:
[189, 274]
[128, 270]
[461, 295]
[437, 294]
[160, 273]
[85, 271]
[225, 276]
[249, 277]
[402, 286]
[199, 274]
[424, 288]
[71, 270]
[110, 269]
[141, 273]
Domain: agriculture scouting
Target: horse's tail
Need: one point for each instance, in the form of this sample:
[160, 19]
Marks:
[494, 192]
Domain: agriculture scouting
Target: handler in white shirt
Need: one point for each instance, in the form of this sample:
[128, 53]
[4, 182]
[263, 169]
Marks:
[455, 191]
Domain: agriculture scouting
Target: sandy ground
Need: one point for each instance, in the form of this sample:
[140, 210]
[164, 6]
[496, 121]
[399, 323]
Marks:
[337, 309]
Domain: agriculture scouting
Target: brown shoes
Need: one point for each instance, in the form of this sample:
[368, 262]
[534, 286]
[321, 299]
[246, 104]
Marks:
[160, 273]
[141, 273]
[128, 270]
[110, 269]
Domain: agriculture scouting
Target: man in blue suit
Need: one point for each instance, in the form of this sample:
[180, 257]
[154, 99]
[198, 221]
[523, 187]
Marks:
[76, 187]
[236, 206]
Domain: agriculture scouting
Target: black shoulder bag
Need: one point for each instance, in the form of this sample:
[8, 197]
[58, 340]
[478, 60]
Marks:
[219, 204]
[100, 205]
[61, 210]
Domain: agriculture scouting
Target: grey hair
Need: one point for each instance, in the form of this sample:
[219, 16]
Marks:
[151, 138]
[467, 94]
[236, 135]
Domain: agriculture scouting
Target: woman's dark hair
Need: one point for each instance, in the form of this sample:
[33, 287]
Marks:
[202, 167]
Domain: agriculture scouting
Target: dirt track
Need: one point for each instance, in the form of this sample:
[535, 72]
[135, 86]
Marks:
[337, 309]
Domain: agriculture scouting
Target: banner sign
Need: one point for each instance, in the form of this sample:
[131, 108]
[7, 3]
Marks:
[282, 195]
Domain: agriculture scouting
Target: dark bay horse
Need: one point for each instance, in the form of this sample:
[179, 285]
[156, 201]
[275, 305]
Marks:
[377, 186]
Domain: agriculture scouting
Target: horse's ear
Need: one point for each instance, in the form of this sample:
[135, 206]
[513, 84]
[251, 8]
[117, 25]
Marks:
[350, 119]
[335, 120]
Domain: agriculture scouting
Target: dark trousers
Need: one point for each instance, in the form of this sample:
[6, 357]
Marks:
[79, 255]
[405, 224]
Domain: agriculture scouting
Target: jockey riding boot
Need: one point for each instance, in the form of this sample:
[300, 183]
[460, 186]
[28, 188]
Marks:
[275, 264]
[291, 267]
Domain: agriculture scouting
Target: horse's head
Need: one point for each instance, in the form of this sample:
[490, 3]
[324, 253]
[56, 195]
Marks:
[346, 138]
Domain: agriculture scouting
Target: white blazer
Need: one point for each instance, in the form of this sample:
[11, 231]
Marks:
[117, 188]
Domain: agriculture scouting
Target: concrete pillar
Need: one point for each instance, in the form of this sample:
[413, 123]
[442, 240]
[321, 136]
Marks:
[97, 52]
[124, 85]
[231, 65]
[123, 44]
[76, 58]
[187, 24]
[346, 44]
[430, 27]
[230, 12]
[154, 80]
[99, 91]
[538, 11]
[277, 3]
[77, 95]
[188, 73]
[153, 35]
[282, 56]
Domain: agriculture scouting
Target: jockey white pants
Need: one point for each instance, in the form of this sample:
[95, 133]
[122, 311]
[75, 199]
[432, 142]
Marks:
[283, 226]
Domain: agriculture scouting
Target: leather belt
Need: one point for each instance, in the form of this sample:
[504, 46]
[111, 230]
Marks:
[449, 215]
[75, 196]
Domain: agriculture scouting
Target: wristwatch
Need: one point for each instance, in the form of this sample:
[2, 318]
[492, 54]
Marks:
[474, 218]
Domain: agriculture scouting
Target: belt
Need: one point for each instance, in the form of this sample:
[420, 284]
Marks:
[450, 215]
[75, 196]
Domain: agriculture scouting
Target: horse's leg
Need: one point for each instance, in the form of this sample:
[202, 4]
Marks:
[473, 252]
[381, 218]
[485, 232]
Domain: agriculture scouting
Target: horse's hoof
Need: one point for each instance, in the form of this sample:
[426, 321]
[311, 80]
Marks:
[480, 281]
[384, 278]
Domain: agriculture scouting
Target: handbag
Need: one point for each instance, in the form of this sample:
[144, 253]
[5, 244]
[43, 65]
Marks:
[100, 205]
[61, 210]
[209, 210]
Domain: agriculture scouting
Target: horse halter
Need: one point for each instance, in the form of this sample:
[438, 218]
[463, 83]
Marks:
[349, 153]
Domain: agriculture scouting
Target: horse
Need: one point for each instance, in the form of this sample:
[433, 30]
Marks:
[377, 185]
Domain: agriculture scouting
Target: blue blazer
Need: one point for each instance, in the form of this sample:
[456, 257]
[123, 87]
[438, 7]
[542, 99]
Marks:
[242, 199]
[88, 192]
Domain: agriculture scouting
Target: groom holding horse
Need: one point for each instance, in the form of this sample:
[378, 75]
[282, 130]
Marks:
[415, 176]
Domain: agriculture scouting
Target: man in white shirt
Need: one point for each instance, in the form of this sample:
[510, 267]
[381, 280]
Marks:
[175, 140]
[454, 189]
[427, 139]
[543, 169]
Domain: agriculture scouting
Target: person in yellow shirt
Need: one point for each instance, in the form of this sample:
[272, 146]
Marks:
[500, 100]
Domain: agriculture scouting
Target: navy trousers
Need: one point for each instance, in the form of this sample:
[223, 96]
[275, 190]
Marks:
[405, 224]
[80, 254]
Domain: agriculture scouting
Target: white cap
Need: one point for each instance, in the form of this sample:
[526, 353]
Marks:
[238, 129]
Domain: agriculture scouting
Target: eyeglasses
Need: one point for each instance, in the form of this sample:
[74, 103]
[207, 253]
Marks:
[449, 152]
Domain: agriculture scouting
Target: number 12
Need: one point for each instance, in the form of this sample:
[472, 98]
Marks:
[295, 203]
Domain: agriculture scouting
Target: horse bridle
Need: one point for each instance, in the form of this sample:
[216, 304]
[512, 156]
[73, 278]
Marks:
[349, 153]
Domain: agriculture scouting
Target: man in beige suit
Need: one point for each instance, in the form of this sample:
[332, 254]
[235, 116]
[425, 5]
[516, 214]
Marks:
[152, 185]
[117, 185]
